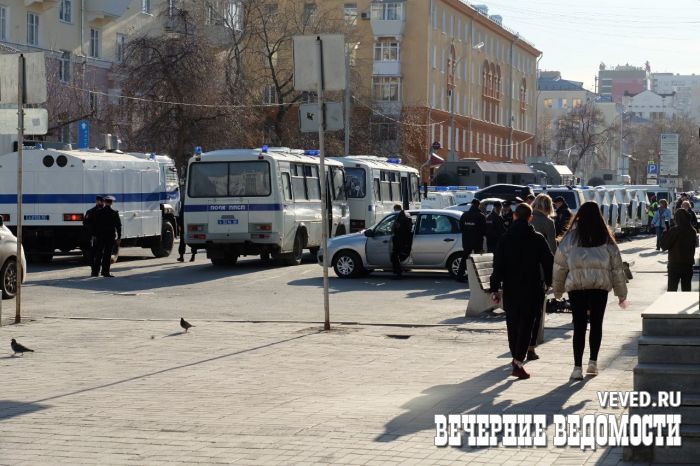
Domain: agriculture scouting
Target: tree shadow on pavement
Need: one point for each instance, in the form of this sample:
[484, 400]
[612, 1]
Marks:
[414, 286]
[10, 409]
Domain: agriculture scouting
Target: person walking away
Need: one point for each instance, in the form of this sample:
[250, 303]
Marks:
[684, 198]
[89, 222]
[651, 211]
[507, 214]
[495, 227]
[563, 218]
[542, 222]
[522, 268]
[688, 207]
[109, 233]
[661, 221]
[587, 266]
[402, 236]
[680, 241]
[472, 224]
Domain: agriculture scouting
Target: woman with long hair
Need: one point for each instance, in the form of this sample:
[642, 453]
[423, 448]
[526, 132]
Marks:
[587, 266]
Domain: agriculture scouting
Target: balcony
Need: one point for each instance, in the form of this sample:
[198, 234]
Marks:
[100, 12]
[178, 23]
[388, 19]
[387, 68]
[41, 5]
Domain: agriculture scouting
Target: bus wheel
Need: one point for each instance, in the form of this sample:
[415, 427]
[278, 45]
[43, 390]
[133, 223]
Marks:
[347, 264]
[224, 261]
[166, 241]
[294, 257]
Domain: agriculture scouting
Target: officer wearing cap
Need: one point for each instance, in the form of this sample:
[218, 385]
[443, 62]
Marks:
[90, 231]
[507, 214]
[108, 232]
[472, 223]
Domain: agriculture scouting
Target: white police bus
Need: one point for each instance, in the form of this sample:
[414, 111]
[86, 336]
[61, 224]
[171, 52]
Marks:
[60, 185]
[374, 185]
[266, 202]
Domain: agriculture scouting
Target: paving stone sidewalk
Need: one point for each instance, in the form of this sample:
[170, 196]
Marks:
[141, 392]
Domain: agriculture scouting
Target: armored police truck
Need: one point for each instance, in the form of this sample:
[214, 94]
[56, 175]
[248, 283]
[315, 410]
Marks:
[59, 186]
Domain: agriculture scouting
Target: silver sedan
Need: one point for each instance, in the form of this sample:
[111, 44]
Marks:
[437, 244]
[8, 263]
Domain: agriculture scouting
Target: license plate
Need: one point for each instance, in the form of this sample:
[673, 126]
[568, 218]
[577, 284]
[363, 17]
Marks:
[230, 221]
[36, 217]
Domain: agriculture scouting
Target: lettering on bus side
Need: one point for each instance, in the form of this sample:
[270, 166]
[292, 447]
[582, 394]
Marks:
[227, 207]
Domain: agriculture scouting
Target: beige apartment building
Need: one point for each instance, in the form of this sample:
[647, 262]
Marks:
[401, 53]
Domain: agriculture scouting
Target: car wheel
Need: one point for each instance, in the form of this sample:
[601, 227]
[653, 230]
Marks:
[347, 264]
[453, 264]
[8, 279]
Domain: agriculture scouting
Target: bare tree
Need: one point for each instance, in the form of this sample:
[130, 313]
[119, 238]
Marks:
[582, 131]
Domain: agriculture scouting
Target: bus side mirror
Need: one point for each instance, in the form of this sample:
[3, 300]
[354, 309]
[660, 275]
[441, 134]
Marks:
[369, 233]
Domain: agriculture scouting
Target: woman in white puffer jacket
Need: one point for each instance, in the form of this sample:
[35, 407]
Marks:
[587, 265]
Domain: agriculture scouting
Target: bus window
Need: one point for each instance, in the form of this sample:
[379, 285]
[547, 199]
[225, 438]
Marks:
[414, 187]
[313, 188]
[208, 180]
[286, 187]
[171, 181]
[386, 191]
[298, 187]
[395, 186]
[377, 190]
[248, 179]
[338, 184]
[355, 182]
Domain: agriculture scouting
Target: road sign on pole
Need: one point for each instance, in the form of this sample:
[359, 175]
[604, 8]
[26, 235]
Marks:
[83, 134]
[669, 154]
[34, 86]
[36, 121]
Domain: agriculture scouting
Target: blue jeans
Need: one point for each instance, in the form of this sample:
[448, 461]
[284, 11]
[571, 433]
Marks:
[659, 233]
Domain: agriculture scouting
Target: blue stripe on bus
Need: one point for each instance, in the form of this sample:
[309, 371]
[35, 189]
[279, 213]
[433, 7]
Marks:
[232, 207]
[84, 198]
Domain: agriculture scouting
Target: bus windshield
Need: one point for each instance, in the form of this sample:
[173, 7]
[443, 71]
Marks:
[228, 179]
[355, 182]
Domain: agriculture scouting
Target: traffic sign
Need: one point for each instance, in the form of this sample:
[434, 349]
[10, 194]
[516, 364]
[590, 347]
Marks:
[36, 121]
[34, 75]
[83, 134]
[436, 145]
[652, 168]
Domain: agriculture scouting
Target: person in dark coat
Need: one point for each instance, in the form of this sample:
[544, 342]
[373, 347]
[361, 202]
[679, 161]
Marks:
[182, 248]
[495, 227]
[507, 214]
[522, 268]
[563, 217]
[687, 206]
[401, 240]
[90, 230]
[472, 224]
[108, 232]
[680, 242]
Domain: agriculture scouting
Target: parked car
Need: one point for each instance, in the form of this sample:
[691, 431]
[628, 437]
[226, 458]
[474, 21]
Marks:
[8, 262]
[437, 244]
[507, 192]
[486, 205]
[574, 197]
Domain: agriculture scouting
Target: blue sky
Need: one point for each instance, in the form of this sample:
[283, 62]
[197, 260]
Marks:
[576, 36]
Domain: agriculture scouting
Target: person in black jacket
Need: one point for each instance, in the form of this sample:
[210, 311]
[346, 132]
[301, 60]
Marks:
[507, 214]
[522, 268]
[90, 230]
[495, 227]
[182, 248]
[401, 240]
[108, 231]
[472, 224]
[680, 242]
[563, 217]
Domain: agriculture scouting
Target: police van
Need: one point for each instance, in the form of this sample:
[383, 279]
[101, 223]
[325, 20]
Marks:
[374, 185]
[60, 185]
[265, 202]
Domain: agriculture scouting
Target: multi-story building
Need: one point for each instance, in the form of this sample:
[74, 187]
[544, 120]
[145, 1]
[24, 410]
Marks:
[423, 67]
[612, 83]
[650, 106]
[686, 88]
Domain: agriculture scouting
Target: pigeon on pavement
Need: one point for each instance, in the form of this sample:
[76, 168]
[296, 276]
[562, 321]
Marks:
[184, 324]
[18, 348]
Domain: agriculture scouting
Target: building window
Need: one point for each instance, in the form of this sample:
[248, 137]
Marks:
[350, 14]
[309, 13]
[65, 133]
[3, 22]
[577, 103]
[120, 49]
[146, 6]
[387, 11]
[32, 29]
[233, 19]
[94, 43]
[387, 132]
[386, 50]
[548, 103]
[64, 67]
[386, 88]
[65, 11]
[94, 100]
[435, 18]
[444, 22]
[269, 95]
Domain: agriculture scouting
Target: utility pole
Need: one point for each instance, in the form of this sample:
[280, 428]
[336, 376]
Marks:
[348, 103]
[21, 98]
[450, 92]
[324, 191]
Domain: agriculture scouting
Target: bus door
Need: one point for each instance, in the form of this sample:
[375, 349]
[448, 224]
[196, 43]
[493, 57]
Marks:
[288, 212]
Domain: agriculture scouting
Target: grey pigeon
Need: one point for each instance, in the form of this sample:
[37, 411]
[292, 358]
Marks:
[19, 348]
[184, 324]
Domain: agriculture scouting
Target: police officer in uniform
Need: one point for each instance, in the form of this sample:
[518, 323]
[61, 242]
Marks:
[89, 222]
[495, 227]
[507, 214]
[109, 233]
[402, 237]
[472, 223]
